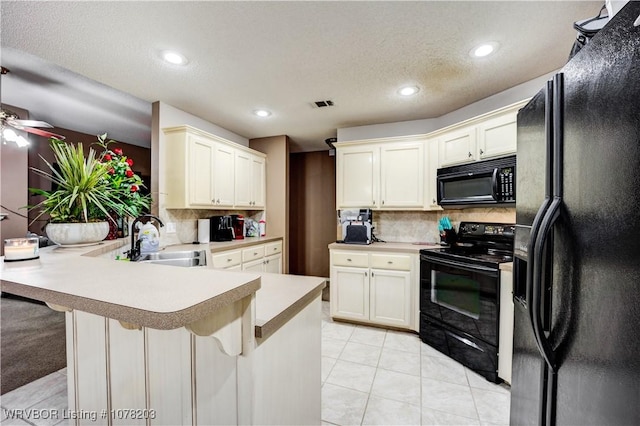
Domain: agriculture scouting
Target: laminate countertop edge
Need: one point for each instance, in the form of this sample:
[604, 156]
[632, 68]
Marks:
[281, 297]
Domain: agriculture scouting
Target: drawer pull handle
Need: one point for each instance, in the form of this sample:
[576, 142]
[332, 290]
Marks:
[348, 260]
[390, 262]
[228, 260]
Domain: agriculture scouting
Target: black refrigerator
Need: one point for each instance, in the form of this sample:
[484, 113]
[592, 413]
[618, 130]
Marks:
[576, 350]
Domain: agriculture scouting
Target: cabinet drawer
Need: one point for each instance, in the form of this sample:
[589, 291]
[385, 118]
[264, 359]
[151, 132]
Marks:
[253, 253]
[226, 259]
[273, 248]
[396, 262]
[351, 259]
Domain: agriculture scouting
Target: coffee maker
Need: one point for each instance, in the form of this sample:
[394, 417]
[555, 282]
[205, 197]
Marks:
[221, 228]
[237, 222]
[357, 226]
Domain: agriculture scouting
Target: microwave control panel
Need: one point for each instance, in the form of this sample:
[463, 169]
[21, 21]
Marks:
[505, 184]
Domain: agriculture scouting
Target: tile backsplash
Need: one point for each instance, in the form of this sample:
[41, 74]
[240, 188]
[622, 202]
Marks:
[411, 227]
[186, 221]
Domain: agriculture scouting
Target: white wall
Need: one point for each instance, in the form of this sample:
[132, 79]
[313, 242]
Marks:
[418, 127]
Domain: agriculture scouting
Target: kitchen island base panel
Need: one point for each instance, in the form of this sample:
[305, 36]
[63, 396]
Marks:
[177, 377]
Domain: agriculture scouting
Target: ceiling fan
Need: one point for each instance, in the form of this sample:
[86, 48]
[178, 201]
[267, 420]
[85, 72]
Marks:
[11, 119]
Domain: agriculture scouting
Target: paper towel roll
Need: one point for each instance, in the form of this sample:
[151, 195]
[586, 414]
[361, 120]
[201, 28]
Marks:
[203, 230]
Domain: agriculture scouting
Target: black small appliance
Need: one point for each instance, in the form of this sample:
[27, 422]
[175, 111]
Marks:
[221, 228]
[483, 183]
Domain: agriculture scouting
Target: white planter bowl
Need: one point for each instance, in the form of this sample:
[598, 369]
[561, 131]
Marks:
[77, 233]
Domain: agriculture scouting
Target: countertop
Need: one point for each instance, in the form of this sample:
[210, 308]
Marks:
[155, 296]
[507, 266]
[391, 246]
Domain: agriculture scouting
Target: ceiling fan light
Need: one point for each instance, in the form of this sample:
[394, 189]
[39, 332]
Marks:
[9, 134]
[21, 142]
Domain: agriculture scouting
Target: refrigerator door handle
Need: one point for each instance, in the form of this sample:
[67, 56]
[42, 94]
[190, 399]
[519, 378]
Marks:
[544, 345]
[549, 220]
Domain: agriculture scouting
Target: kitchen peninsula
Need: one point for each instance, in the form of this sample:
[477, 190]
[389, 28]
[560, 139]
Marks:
[154, 344]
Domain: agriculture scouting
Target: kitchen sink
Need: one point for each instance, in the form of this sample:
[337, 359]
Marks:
[186, 259]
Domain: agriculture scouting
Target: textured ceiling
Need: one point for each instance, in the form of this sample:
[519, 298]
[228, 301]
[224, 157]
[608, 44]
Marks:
[280, 56]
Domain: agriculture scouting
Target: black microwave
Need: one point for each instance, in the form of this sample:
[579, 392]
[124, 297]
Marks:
[486, 183]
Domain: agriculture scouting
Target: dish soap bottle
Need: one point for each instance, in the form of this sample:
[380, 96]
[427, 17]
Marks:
[149, 239]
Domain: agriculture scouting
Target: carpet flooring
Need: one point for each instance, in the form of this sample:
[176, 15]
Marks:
[32, 341]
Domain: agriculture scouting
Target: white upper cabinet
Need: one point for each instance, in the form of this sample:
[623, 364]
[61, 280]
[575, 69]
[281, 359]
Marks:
[431, 184]
[381, 175]
[201, 152]
[458, 146]
[497, 136]
[205, 171]
[402, 175]
[357, 176]
[223, 175]
[258, 182]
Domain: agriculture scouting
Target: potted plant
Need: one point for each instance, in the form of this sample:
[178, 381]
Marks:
[88, 192]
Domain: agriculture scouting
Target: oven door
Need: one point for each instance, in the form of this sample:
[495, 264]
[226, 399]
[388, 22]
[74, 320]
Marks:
[461, 295]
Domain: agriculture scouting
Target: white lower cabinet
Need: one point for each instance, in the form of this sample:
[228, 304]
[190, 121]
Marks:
[257, 258]
[505, 348]
[374, 287]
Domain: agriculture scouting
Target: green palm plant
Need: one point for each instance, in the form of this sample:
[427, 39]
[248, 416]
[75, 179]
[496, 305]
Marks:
[83, 191]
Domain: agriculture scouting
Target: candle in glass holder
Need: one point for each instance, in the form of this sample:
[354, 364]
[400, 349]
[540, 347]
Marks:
[20, 249]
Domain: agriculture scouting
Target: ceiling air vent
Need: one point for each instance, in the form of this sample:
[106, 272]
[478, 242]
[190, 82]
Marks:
[322, 104]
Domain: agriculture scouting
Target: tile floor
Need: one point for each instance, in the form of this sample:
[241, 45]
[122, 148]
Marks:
[370, 376]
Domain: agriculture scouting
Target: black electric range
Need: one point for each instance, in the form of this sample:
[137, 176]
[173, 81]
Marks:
[460, 295]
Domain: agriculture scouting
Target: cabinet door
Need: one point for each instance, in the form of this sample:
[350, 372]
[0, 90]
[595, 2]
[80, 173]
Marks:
[402, 175]
[497, 136]
[391, 297]
[458, 147]
[350, 293]
[243, 169]
[258, 182]
[201, 171]
[273, 264]
[505, 349]
[357, 176]
[431, 192]
[223, 175]
[254, 266]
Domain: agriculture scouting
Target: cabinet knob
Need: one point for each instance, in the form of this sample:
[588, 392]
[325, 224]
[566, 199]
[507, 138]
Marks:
[348, 260]
[481, 152]
[470, 155]
[383, 202]
[433, 200]
[390, 262]
[228, 260]
[366, 275]
[374, 202]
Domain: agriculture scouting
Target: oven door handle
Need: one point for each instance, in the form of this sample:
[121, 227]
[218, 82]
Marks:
[461, 265]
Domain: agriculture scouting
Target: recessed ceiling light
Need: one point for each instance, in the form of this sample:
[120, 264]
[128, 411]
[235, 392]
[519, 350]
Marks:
[483, 50]
[174, 58]
[409, 90]
[262, 113]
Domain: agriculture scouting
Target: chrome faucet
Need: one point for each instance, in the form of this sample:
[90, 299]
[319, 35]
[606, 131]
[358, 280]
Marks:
[134, 250]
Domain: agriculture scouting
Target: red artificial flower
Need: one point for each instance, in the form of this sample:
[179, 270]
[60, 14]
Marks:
[117, 151]
[129, 173]
[134, 188]
[111, 171]
[129, 162]
[107, 157]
